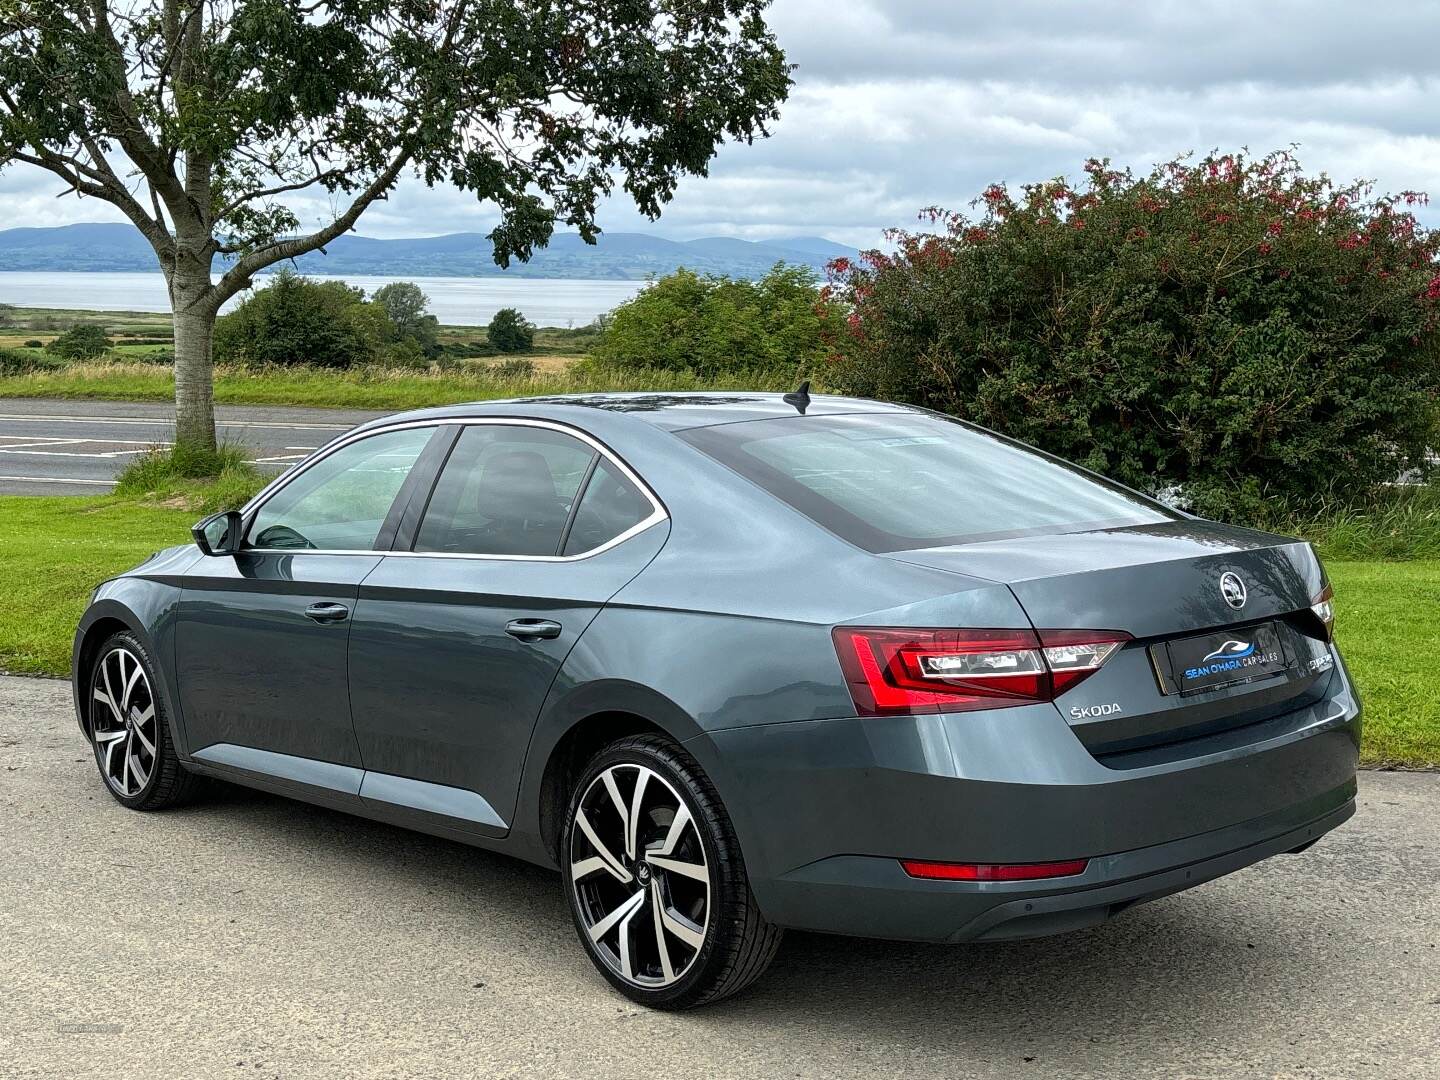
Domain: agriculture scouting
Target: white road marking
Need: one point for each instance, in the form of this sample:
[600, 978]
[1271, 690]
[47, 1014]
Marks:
[53, 480]
[69, 453]
[40, 442]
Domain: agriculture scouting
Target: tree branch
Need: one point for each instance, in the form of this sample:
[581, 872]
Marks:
[279, 189]
[75, 174]
[132, 136]
[239, 275]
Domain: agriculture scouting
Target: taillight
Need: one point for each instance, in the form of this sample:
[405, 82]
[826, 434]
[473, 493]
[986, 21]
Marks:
[896, 671]
[947, 871]
[1324, 609]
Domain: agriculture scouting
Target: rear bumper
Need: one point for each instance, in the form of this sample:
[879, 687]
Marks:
[874, 897]
[826, 809]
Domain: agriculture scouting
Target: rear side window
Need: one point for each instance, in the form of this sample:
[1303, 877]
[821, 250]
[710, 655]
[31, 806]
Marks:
[611, 505]
[505, 490]
[889, 482]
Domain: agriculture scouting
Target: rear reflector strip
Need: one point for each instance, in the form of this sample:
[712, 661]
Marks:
[949, 871]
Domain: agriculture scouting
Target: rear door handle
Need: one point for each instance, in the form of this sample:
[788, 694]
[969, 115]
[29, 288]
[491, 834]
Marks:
[324, 613]
[532, 629]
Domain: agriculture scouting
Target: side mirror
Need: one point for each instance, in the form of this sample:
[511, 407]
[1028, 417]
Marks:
[218, 534]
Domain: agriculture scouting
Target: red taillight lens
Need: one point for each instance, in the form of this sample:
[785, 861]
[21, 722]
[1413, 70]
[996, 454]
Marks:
[947, 871]
[892, 671]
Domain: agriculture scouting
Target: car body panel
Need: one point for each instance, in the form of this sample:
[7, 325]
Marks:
[439, 691]
[254, 670]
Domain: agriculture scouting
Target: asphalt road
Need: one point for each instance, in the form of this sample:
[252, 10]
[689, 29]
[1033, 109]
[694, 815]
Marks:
[249, 936]
[77, 447]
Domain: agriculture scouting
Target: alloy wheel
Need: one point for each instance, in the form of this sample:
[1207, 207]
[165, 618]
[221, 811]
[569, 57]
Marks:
[640, 875]
[123, 722]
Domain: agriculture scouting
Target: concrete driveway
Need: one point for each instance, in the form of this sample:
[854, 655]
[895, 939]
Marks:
[249, 936]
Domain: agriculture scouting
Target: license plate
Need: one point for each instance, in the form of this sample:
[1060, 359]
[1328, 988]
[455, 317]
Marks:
[1210, 660]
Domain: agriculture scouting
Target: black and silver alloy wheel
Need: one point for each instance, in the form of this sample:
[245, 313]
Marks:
[642, 884]
[126, 721]
[656, 881]
[123, 723]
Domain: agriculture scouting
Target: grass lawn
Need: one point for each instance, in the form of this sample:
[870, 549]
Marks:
[366, 388]
[54, 550]
[1388, 625]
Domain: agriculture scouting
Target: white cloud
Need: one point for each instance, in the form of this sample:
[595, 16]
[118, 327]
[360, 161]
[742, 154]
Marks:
[900, 104]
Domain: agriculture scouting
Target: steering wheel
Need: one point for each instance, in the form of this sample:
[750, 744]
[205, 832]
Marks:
[281, 536]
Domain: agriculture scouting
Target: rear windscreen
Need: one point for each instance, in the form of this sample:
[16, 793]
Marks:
[890, 482]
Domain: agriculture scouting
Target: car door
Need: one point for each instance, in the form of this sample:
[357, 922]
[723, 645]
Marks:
[261, 635]
[456, 641]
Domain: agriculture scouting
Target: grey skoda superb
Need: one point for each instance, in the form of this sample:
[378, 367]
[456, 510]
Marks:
[735, 663]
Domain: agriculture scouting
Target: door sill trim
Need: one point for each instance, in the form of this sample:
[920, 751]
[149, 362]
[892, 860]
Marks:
[382, 789]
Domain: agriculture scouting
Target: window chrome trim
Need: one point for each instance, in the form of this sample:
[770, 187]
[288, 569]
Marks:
[657, 514]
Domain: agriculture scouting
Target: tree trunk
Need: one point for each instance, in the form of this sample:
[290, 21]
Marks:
[194, 313]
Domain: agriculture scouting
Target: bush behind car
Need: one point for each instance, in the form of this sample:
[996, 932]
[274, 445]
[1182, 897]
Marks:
[1230, 328]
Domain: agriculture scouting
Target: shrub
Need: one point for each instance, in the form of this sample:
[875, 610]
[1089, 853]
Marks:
[20, 362]
[509, 331]
[1230, 328]
[34, 343]
[296, 320]
[203, 480]
[84, 341]
[716, 325]
[516, 367]
[405, 353]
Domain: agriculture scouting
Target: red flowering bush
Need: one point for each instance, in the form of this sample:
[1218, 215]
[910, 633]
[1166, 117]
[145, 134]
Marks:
[1229, 327]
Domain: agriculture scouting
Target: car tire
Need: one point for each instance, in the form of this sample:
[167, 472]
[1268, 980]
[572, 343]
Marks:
[129, 729]
[664, 910]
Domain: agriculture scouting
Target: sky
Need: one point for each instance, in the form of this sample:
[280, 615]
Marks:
[903, 104]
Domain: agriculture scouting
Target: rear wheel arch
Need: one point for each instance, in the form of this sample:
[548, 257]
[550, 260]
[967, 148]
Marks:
[568, 758]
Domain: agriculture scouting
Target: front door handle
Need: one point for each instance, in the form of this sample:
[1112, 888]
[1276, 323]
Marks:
[532, 629]
[325, 613]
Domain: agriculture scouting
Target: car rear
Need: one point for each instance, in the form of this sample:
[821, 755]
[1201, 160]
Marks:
[1169, 706]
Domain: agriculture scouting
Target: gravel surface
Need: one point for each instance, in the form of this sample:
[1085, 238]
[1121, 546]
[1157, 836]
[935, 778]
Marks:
[249, 936]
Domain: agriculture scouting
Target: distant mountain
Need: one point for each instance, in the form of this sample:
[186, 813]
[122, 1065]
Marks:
[119, 247]
[76, 247]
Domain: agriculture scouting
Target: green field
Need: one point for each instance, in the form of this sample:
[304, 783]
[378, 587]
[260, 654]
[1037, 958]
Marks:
[365, 388]
[54, 550]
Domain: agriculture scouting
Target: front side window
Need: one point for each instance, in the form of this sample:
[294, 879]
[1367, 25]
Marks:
[893, 482]
[340, 503]
[505, 490]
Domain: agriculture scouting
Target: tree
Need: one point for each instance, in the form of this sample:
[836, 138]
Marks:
[199, 119]
[84, 341]
[1230, 328]
[509, 331]
[297, 320]
[405, 303]
[715, 325]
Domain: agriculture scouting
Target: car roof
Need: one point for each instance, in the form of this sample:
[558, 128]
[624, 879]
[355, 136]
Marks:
[673, 411]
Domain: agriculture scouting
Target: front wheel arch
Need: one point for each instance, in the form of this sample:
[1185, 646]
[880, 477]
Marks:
[105, 617]
[96, 631]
